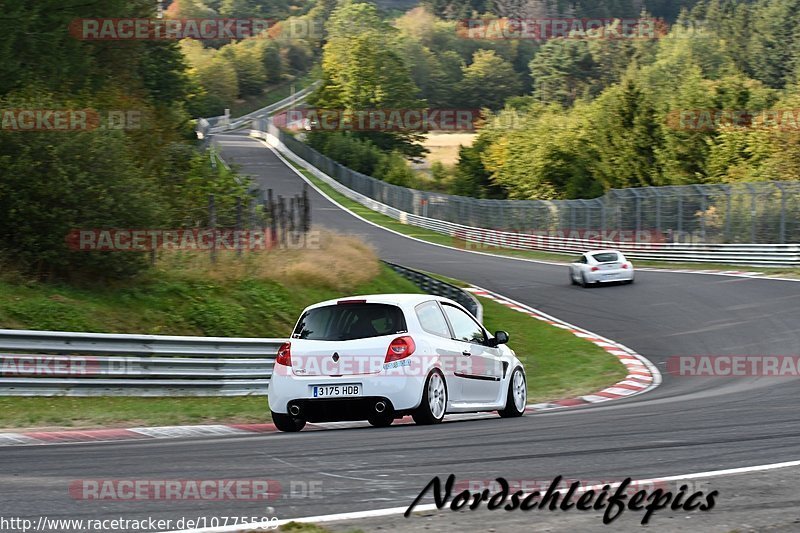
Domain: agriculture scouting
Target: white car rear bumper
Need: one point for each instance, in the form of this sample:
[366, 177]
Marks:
[404, 392]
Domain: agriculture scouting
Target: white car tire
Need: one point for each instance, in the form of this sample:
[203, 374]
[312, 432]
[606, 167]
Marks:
[382, 420]
[288, 423]
[517, 396]
[433, 406]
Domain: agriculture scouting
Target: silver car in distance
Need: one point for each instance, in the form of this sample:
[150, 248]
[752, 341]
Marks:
[600, 266]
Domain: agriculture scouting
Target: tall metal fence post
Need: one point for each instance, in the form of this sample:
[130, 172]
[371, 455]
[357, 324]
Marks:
[728, 214]
[782, 228]
[753, 213]
[306, 210]
[273, 218]
[212, 223]
[658, 213]
[238, 236]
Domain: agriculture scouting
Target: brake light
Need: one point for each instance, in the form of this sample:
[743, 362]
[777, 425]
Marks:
[342, 302]
[624, 265]
[400, 348]
[595, 269]
[284, 354]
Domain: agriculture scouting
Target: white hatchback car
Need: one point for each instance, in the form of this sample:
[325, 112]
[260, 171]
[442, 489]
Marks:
[600, 266]
[381, 357]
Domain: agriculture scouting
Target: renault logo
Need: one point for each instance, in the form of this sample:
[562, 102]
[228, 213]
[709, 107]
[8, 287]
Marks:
[335, 357]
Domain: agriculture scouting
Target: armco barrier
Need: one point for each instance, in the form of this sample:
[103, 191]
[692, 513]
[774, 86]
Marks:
[219, 125]
[49, 363]
[475, 238]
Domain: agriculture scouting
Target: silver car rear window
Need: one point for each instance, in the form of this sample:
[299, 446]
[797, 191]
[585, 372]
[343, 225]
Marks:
[606, 257]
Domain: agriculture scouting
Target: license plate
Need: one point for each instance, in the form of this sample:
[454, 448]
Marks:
[335, 391]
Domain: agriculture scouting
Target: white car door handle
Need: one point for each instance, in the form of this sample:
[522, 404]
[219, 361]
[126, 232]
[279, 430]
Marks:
[466, 352]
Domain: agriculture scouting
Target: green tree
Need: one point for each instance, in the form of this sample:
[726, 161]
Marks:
[626, 136]
[471, 177]
[248, 62]
[774, 44]
[488, 81]
[562, 71]
[361, 71]
[52, 184]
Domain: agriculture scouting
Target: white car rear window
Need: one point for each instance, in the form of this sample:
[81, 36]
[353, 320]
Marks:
[350, 321]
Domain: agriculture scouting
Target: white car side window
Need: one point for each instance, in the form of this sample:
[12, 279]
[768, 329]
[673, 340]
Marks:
[432, 320]
[464, 326]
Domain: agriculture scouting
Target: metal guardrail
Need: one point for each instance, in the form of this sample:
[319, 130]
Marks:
[437, 287]
[50, 363]
[59, 363]
[213, 125]
[786, 255]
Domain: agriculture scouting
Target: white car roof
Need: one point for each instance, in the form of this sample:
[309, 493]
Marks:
[391, 299]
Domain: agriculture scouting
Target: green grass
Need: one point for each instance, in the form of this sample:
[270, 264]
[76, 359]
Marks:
[438, 238]
[25, 412]
[174, 306]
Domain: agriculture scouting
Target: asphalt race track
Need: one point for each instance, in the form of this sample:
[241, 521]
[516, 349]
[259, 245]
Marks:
[686, 425]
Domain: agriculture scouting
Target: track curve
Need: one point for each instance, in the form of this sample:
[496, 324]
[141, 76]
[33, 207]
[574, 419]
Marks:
[685, 425]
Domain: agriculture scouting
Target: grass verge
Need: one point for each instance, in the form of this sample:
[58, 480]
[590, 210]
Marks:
[438, 238]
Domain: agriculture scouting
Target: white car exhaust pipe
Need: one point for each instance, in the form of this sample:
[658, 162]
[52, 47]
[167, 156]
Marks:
[294, 410]
[380, 407]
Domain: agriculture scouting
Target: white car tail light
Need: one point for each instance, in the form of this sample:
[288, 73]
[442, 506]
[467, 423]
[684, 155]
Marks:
[400, 348]
[284, 354]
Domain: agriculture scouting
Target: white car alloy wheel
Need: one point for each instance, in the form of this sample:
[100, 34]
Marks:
[517, 395]
[520, 390]
[434, 400]
[437, 396]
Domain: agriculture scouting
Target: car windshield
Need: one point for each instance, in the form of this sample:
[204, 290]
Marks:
[350, 321]
[606, 257]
